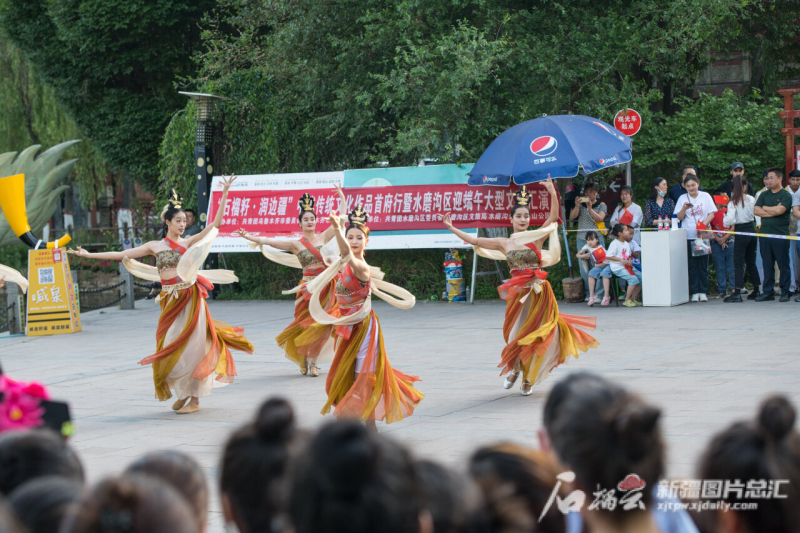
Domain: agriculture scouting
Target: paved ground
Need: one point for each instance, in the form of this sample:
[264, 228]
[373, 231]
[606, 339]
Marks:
[704, 364]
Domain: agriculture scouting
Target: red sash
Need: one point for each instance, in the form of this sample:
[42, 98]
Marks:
[175, 246]
[358, 294]
[316, 253]
[521, 277]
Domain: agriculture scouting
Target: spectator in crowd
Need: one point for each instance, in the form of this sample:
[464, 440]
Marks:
[42, 503]
[694, 208]
[180, 471]
[795, 174]
[759, 263]
[722, 248]
[680, 189]
[454, 500]
[620, 258]
[628, 212]
[669, 519]
[517, 484]
[740, 216]
[597, 268]
[762, 451]
[25, 455]
[773, 206]
[253, 471]
[131, 504]
[192, 227]
[591, 213]
[352, 479]
[606, 435]
[658, 206]
[794, 189]
[726, 187]
[9, 522]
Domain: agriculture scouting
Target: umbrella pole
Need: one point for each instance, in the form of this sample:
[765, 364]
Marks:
[566, 245]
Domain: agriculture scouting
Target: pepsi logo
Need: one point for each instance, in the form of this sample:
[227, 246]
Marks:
[542, 146]
[602, 161]
[485, 179]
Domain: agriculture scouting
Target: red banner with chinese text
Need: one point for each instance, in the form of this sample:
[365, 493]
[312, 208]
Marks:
[391, 208]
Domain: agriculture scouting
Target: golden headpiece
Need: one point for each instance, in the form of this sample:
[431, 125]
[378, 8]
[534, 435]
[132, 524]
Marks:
[174, 200]
[358, 217]
[522, 196]
[306, 203]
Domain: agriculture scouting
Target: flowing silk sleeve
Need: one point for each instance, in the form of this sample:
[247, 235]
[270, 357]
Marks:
[13, 276]
[315, 287]
[550, 255]
[282, 258]
[393, 295]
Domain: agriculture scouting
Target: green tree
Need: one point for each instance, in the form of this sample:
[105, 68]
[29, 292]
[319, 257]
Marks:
[113, 65]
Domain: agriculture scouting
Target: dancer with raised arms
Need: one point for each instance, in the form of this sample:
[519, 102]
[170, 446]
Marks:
[361, 383]
[538, 338]
[305, 342]
[193, 350]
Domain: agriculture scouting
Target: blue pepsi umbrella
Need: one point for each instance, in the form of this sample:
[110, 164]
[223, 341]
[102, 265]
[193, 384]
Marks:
[560, 145]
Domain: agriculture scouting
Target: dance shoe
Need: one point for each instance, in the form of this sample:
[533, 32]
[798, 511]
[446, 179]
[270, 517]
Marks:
[189, 408]
[179, 403]
[511, 379]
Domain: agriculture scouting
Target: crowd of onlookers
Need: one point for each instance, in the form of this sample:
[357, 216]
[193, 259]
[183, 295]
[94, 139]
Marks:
[600, 454]
[716, 225]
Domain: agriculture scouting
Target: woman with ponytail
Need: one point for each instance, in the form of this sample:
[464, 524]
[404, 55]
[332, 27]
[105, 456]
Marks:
[254, 464]
[763, 456]
[361, 383]
[353, 480]
[193, 350]
[538, 338]
[306, 343]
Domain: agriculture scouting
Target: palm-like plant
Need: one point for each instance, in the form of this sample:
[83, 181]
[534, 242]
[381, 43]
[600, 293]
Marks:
[43, 175]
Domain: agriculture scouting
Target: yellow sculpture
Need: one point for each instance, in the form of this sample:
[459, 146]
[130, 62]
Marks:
[33, 182]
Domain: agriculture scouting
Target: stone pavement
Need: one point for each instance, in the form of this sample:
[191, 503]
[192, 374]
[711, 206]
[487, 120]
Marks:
[705, 364]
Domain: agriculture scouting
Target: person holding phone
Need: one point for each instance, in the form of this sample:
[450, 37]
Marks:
[694, 208]
[589, 211]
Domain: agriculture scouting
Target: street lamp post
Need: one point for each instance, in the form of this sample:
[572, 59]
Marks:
[204, 131]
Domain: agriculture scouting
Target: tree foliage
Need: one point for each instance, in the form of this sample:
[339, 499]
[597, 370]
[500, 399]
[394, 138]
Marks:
[112, 65]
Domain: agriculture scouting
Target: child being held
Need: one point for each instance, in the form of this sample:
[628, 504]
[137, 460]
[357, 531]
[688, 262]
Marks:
[594, 253]
[621, 258]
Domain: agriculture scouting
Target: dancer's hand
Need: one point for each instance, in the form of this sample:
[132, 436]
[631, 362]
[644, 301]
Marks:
[334, 220]
[2, 282]
[445, 219]
[226, 183]
[242, 233]
[338, 190]
[549, 185]
[80, 252]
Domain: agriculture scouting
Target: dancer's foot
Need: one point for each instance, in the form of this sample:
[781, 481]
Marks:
[179, 403]
[511, 379]
[313, 370]
[304, 367]
[192, 407]
[526, 389]
[372, 426]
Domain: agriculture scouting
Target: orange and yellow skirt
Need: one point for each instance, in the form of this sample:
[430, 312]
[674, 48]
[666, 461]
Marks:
[304, 338]
[193, 350]
[538, 337]
[362, 383]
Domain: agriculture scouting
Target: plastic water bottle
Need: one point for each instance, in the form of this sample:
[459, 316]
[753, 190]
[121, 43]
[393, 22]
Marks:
[675, 222]
[660, 223]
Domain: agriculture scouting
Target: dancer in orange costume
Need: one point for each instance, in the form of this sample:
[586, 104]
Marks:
[305, 342]
[538, 337]
[361, 383]
[193, 350]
